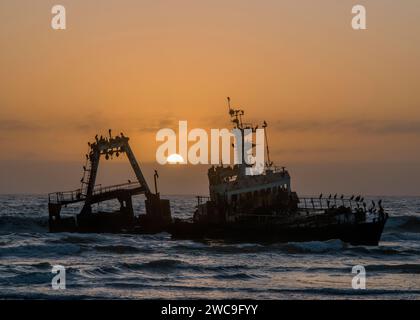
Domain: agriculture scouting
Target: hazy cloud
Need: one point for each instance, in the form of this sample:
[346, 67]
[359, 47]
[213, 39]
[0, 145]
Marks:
[85, 123]
[366, 126]
[13, 125]
[154, 126]
[94, 122]
[305, 150]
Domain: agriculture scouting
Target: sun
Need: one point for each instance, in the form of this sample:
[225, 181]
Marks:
[175, 158]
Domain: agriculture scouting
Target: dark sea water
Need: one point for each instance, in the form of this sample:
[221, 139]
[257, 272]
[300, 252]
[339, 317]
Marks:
[154, 266]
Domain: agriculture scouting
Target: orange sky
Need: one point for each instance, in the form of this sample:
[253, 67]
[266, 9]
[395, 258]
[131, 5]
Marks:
[343, 106]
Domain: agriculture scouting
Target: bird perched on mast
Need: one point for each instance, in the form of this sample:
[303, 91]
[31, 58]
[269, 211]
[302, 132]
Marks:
[231, 111]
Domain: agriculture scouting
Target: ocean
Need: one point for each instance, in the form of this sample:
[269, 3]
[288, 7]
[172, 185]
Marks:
[112, 266]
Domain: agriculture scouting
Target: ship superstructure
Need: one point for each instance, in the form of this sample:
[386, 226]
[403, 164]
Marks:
[263, 206]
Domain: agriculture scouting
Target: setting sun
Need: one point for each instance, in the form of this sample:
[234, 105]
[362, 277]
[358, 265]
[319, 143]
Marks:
[175, 158]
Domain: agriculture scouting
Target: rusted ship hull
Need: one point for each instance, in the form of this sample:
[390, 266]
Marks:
[367, 233]
[110, 222]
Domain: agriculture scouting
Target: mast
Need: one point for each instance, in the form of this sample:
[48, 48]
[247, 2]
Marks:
[236, 119]
[230, 109]
[236, 116]
[265, 125]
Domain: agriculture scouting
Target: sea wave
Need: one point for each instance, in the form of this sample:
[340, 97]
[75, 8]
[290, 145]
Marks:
[9, 224]
[40, 250]
[174, 264]
[121, 249]
[403, 223]
[157, 265]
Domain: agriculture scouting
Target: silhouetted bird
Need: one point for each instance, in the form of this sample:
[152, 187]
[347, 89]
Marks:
[357, 198]
[352, 197]
[335, 196]
[329, 197]
[320, 196]
[342, 197]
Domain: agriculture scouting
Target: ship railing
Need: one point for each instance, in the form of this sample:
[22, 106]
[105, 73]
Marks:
[124, 186]
[202, 199]
[79, 195]
[275, 169]
[66, 196]
[326, 203]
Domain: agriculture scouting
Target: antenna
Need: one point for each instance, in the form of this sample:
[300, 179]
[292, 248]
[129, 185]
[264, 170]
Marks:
[266, 142]
[231, 111]
[241, 113]
[235, 115]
